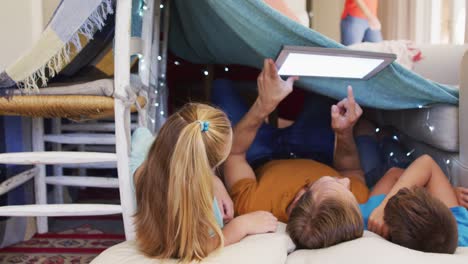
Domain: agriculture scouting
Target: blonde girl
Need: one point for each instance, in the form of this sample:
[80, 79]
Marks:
[177, 216]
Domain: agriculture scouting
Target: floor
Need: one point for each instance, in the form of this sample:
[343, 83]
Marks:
[71, 239]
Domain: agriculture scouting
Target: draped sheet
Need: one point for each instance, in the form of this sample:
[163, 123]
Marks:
[247, 31]
[72, 26]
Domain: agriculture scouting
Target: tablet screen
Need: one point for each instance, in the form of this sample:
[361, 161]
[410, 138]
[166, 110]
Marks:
[333, 63]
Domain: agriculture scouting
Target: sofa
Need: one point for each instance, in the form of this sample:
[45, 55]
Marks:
[439, 130]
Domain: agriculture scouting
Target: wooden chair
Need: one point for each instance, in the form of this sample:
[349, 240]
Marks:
[79, 107]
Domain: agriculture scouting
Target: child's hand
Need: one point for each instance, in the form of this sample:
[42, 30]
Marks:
[249, 224]
[462, 196]
[376, 222]
[258, 222]
[224, 200]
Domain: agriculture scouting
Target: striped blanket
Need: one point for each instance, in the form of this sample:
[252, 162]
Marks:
[71, 28]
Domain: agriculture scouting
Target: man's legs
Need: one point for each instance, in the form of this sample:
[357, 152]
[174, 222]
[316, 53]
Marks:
[353, 30]
[224, 94]
[378, 154]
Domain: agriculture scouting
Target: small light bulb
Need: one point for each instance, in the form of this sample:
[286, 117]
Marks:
[448, 162]
[431, 128]
[159, 58]
[226, 69]
[156, 91]
[176, 63]
[156, 104]
[420, 106]
[395, 138]
[161, 6]
[145, 7]
[409, 153]
[391, 154]
[153, 121]
[162, 112]
[205, 73]
[377, 130]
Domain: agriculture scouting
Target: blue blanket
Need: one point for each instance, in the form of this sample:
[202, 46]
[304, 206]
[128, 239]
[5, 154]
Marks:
[245, 32]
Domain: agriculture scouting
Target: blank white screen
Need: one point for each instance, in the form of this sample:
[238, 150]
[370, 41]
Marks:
[297, 64]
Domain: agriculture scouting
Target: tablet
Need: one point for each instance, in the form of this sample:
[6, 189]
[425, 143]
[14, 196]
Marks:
[332, 63]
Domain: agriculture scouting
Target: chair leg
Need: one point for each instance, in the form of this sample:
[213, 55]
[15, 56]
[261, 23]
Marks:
[58, 170]
[39, 180]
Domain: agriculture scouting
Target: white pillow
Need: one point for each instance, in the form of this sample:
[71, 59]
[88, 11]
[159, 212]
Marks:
[265, 248]
[372, 249]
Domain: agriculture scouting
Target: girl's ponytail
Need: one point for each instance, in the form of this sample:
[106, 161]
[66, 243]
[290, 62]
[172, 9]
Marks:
[190, 209]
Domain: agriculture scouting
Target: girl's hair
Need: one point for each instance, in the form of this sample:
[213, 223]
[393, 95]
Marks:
[174, 217]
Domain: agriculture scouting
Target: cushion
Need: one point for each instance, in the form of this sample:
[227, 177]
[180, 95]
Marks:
[372, 249]
[436, 126]
[265, 248]
[449, 162]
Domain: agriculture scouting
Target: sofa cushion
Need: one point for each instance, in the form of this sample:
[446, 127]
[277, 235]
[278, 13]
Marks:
[436, 126]
[265, 248]
[373, 249]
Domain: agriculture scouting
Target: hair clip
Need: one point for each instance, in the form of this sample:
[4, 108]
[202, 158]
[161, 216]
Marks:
[204, 125]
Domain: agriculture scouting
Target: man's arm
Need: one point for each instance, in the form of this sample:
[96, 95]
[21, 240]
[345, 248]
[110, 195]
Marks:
[271, 91]
[374, 22]
[346, 157]
[236, 166]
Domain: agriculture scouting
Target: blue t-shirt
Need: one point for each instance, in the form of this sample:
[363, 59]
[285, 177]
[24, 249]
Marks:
[460, 213]
[141, 142]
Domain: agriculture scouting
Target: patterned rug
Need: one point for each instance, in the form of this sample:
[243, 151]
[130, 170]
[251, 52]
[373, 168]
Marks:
[77, 245]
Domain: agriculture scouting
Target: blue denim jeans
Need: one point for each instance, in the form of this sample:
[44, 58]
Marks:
[378, 157]
[356, 30]
[310, 137]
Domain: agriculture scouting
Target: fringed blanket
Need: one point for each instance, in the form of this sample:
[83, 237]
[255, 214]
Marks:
[73, 24]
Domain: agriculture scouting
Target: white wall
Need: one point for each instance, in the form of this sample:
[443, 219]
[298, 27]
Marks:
[327, 16]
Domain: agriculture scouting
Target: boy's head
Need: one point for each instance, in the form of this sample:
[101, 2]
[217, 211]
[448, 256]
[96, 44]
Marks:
[324, 214]
[421, 222]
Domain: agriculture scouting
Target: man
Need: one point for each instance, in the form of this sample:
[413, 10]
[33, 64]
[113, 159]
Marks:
[296, 188]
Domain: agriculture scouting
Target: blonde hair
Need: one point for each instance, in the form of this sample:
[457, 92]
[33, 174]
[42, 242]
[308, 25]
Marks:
[175, 216]
[326, 223]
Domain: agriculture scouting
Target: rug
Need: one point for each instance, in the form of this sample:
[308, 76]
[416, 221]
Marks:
[77, 245]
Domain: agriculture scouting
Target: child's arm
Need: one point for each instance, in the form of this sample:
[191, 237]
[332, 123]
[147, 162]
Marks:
[385, 184]
[249, 224]
[423, 172]
[224, 200]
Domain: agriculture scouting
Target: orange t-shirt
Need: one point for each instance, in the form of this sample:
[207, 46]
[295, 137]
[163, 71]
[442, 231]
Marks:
[278, 182]
[351, 8]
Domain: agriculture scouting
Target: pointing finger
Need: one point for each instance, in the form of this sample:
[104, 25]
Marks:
[352, 102]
